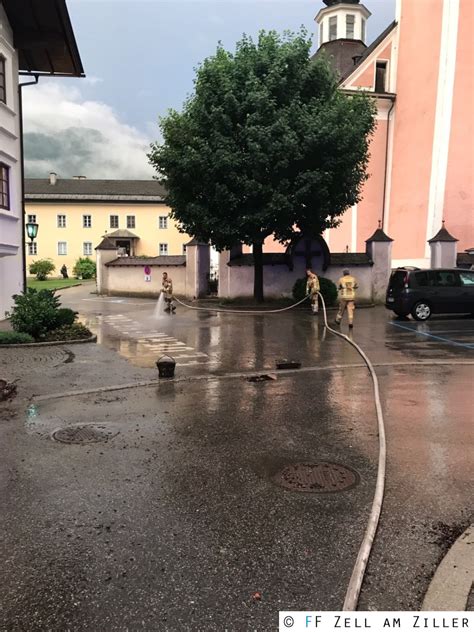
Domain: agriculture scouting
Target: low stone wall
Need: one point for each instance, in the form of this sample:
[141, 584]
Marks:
[130, 280]
[278, 280]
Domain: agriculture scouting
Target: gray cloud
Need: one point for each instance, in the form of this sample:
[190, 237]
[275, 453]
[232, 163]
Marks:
[71, 136]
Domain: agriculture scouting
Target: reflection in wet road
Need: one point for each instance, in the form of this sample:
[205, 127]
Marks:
[208, 340]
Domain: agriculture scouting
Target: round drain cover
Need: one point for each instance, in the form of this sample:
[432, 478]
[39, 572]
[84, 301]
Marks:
[319, 478]
[83, 434]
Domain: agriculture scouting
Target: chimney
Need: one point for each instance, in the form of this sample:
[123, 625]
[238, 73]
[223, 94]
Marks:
[53, 178]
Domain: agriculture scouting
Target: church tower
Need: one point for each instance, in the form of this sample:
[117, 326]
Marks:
[342, 20]
[342, 33]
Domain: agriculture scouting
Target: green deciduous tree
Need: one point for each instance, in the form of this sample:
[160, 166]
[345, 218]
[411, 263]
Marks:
[267, 144]
[42, 267]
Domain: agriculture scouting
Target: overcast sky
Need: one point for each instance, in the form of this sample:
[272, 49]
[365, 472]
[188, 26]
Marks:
[139, 57]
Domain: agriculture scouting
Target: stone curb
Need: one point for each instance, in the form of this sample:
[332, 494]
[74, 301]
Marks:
[66, 287]
[53, 343]
[451, 584]
[208, 377]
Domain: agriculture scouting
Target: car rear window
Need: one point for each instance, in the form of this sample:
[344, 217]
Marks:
[467, 278]
[397, 280]
[422, 279]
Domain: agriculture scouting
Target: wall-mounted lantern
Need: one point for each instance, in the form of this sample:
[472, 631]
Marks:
[32, 230]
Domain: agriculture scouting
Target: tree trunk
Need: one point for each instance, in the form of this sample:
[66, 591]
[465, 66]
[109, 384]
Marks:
[258, 271]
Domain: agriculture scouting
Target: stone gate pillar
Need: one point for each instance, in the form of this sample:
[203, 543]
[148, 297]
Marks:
[225, 271]
[379, 249]
[198, 266]
[106, 251]
[444, 249]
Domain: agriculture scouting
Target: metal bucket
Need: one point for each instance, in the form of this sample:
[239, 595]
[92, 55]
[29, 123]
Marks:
[166, 366]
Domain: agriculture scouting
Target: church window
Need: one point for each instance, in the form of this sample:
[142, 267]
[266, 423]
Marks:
[362, 31]
[380, 76]
[350, 23]
[333, 28]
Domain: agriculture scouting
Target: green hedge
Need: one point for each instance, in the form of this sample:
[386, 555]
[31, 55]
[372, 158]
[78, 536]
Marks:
[65, 316]
[84, 268]
[35, 312]
[14, 338]
[328, 290]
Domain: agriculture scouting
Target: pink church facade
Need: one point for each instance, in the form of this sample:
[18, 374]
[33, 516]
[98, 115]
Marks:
[421, 166]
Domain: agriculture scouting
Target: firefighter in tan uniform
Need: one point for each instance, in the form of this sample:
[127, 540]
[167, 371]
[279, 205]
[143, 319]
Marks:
[347, 287]
[312, 288]
[167, 289]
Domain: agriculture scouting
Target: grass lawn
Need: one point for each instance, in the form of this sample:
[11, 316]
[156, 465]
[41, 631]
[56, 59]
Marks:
[52, 284]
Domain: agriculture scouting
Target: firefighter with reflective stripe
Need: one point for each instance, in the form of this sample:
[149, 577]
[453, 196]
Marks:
[312, 288]
[347, 293]
[167, 289]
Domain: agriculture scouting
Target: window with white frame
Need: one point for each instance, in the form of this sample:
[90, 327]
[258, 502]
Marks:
[87, 248]
[333, 28]
[86, 221]
[163, 249]
[362, 33]
[114, 221]
[31, 219]
[163, 221]
[62, 247]
[61, 221]
[130, 221]
[4, 186]
[350, 24]
[321, 33]
[3, 80]
[33, 248]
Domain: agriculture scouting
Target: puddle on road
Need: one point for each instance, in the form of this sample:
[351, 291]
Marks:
[143, 342]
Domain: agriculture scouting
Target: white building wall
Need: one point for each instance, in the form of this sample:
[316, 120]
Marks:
[11, 224]
[278, 280]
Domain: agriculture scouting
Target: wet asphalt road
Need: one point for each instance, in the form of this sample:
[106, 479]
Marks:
[176, 523]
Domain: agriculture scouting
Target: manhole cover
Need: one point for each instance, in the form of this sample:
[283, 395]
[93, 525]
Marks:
[319, 478]
[83, 434]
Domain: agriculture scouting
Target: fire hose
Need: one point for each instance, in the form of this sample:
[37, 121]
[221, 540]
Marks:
[358, 571]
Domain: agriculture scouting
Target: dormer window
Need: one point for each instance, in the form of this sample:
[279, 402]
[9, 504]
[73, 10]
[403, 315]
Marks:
[350, 24]
[333, 28]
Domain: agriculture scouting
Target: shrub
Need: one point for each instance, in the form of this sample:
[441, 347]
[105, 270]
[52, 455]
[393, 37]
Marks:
[65, 316]
[42, 268]
[328, 290]
[84, 268]
[35, 312]
[14, 338]
[68, 332]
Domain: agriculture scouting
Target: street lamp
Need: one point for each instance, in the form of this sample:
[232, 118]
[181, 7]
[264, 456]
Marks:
[32, 230]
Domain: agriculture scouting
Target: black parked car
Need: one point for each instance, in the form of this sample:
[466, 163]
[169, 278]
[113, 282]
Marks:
[425, 292]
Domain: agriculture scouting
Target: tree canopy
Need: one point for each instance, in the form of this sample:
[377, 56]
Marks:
[266, 144]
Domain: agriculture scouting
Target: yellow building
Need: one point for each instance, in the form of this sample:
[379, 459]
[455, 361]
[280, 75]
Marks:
[73, 216]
